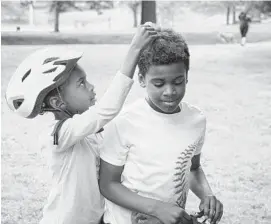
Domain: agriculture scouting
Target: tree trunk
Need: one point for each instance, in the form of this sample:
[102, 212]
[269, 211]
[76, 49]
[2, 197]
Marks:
[233, 14]
[135, 16]
[31, 13]
[228, 14]
[57, 11]
[148, 12]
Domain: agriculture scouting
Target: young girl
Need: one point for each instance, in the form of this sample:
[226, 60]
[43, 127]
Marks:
[51, 80]
[151, 153]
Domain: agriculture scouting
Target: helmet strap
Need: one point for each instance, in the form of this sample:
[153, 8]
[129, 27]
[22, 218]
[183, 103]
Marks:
[65, 110]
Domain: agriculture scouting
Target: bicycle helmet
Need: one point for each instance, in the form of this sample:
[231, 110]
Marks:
[40, 73]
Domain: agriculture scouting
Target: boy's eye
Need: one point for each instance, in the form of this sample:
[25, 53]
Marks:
[178, 81]
[158, 84]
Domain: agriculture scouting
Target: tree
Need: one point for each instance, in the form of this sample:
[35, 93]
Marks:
[233, 14]
[166, 12]
[99, 5]
[231, 7]
[61, 6]
[228, 14]
[148, 11]
[57, 8]
[134, 6]
[30, 6]
[266, 7]
[13, 12]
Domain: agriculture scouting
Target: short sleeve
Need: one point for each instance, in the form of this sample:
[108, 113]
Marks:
[114, 148]
[201, 138]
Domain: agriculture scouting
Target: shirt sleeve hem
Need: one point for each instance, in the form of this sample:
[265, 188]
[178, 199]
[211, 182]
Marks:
[124, 78]
[111, 161]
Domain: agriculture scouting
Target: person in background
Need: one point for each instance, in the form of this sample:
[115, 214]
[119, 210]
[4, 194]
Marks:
[244, 26]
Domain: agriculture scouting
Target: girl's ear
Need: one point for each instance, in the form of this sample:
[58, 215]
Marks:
[141, 79]
[57, 103]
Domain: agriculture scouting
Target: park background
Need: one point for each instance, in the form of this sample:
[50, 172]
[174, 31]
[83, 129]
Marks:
[230, 83]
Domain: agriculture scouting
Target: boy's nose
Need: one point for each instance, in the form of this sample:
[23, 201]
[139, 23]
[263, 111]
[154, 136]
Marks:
[169, 91]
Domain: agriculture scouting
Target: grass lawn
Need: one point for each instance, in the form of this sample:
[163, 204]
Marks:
[259, 32]
[230, 83]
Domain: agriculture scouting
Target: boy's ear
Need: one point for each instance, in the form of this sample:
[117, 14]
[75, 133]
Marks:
[141, 79]
[57, 103]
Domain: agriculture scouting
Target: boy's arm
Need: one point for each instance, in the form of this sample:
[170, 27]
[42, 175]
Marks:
[113, 190]
[198, 182]
[213, 208]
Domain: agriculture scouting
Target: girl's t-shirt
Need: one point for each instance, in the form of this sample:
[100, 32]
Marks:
[75, 197]
[156, 151]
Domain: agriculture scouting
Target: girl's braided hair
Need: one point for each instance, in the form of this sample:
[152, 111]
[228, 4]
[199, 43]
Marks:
[167, 48]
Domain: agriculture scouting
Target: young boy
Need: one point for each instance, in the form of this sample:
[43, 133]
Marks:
[151, 153]
[51, 80]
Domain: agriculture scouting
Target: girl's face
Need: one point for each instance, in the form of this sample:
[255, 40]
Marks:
[78, 94]
[165, 86]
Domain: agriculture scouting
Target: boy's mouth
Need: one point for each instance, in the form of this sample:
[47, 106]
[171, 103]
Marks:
[170, 101]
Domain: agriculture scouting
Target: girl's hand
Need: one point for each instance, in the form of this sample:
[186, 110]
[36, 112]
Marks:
[172, 214]
[213, 208]
[144, 34]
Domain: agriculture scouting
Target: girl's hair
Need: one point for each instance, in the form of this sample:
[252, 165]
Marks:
[167, 48]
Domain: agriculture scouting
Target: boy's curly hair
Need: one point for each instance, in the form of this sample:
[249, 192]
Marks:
[167, 48]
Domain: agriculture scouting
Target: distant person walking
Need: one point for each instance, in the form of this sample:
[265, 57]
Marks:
[244, 25]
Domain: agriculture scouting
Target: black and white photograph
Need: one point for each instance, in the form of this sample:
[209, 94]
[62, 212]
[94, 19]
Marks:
[135, 112]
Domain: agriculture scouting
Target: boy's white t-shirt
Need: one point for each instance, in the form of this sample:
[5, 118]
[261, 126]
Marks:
[75, 197]
[156, 151]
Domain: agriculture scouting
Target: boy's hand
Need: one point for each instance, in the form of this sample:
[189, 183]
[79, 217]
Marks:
[172, 214]
[213, 209]
[144, 34]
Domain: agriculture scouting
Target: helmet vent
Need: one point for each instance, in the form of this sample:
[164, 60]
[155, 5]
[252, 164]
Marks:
[17, 103]
[26, 74]
[50, 60]
[50, 70]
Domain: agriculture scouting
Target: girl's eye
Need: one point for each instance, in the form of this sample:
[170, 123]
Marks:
[83, 83]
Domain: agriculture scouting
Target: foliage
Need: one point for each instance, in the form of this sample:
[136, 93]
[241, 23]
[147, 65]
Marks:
[63, 6]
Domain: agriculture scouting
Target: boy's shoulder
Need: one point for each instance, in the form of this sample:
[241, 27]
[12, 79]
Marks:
[131, 112]
[133, 108]
[192, 109]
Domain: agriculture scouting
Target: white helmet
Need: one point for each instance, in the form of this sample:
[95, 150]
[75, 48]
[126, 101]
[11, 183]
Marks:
[36, 76]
